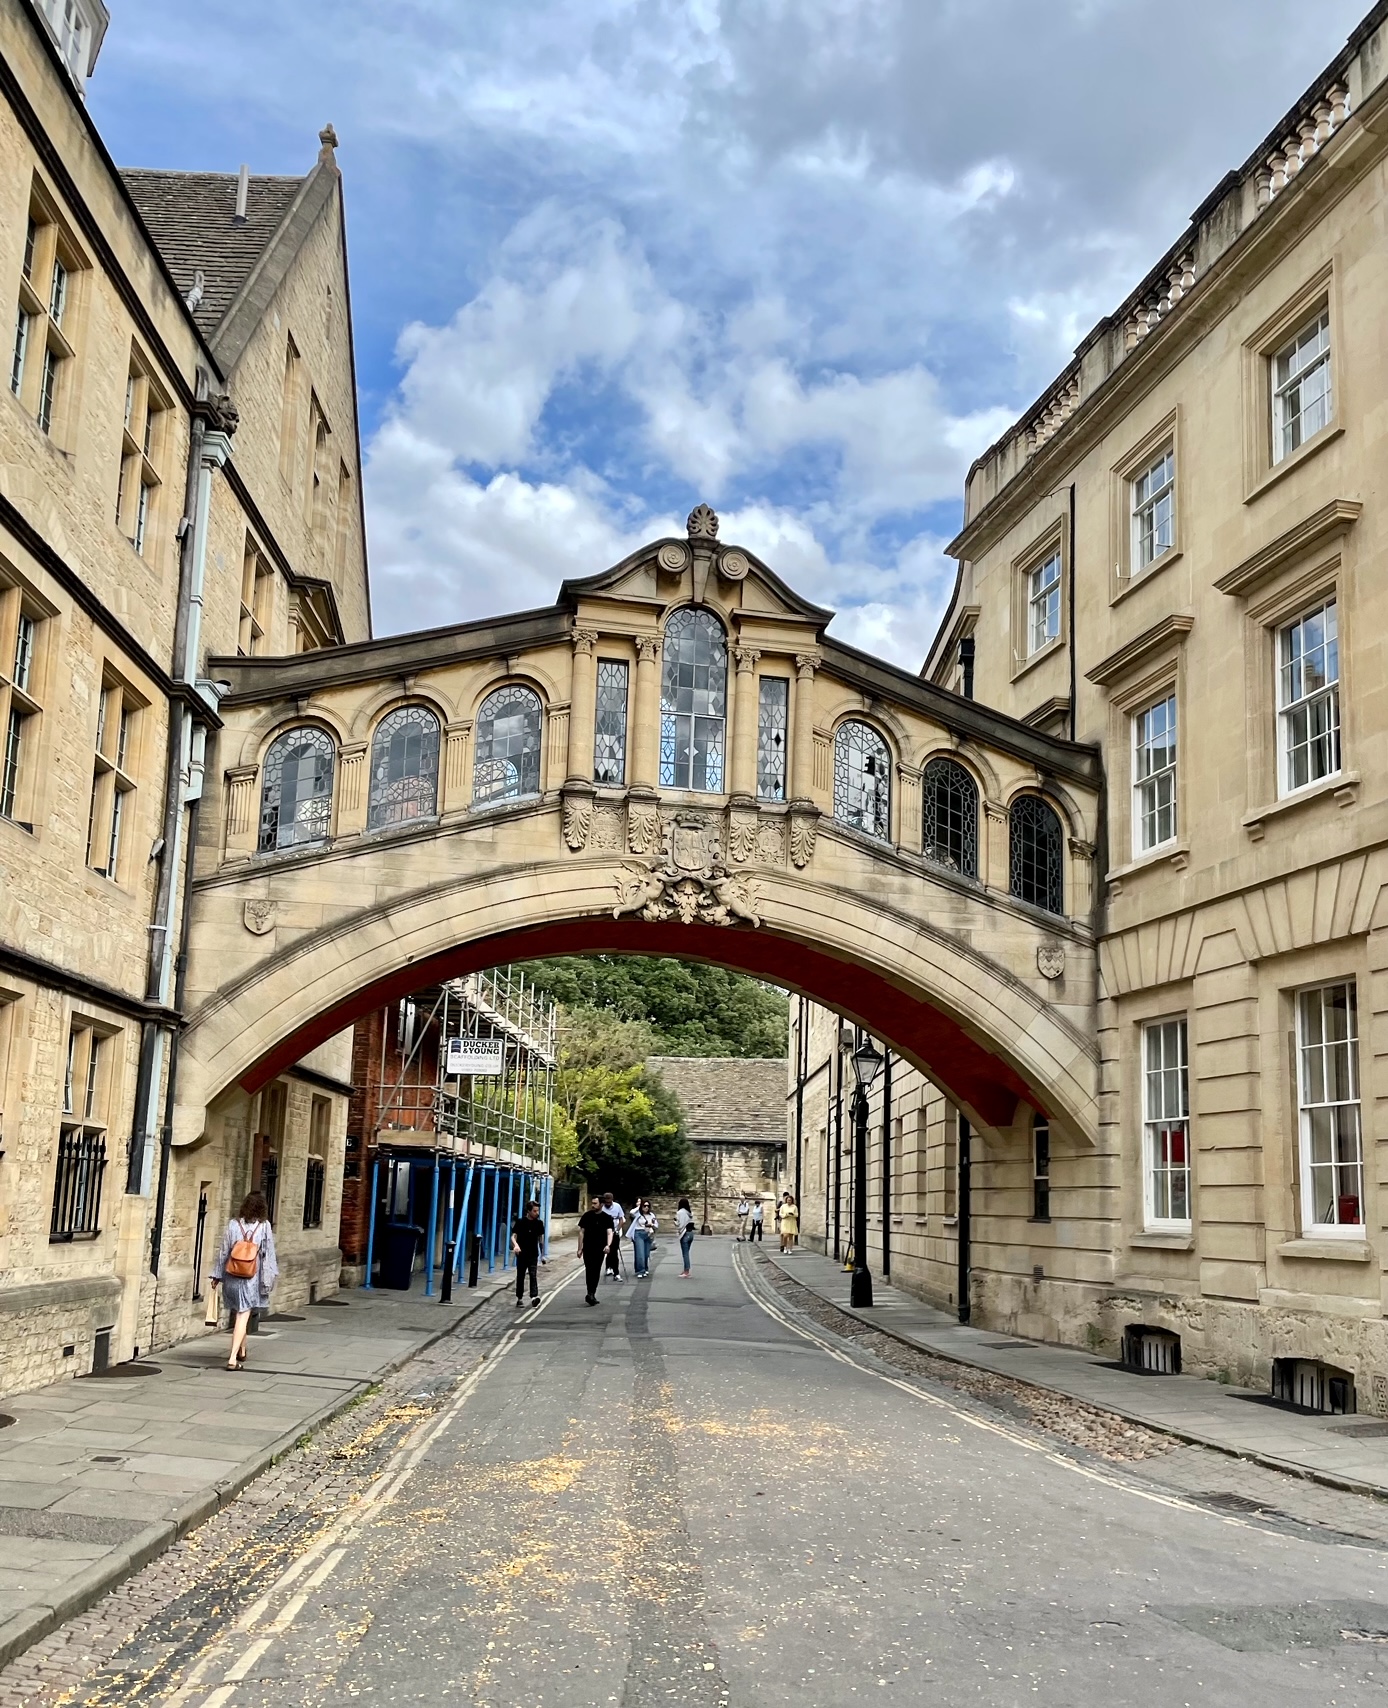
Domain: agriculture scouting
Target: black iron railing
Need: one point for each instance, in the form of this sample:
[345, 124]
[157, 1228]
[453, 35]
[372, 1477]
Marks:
[198, 1243]
[77, 1186]
[270, 1182]
[315, 1177]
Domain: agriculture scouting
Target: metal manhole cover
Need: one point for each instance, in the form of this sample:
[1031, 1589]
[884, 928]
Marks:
[1007, 1345]
[1363, 1431]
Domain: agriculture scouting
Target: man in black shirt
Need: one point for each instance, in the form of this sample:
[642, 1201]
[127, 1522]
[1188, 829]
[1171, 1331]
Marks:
[527, 1236]
[595, 1233]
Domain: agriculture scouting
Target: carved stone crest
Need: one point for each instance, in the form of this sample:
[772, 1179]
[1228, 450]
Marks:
[691, 843]
[771, 842]
[259, 917]
[607, 829]
[578, 821]
[713, 897]
[1050, 961]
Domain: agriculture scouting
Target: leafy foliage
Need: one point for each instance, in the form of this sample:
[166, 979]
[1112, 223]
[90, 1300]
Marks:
[627, 1128]
[691, 1009]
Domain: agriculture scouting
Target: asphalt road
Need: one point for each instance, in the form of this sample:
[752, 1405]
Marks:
[677, 1497]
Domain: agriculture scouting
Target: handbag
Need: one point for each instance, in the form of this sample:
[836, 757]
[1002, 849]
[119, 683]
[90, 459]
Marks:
[243, 1260]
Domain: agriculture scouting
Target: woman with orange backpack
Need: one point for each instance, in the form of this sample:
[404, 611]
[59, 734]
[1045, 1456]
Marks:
[246, 1270]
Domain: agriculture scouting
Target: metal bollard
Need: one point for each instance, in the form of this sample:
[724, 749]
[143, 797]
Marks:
[450, 1247]
[474, 1260]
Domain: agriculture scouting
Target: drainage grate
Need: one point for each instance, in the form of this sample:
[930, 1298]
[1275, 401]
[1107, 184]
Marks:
[1007, 1345]
[112, 1370]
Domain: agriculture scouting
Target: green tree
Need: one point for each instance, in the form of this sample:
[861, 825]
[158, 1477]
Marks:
[627, 1127]
[691, 1009]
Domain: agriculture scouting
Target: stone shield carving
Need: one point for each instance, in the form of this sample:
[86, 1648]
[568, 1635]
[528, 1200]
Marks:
[1050, 961]
[259, 917]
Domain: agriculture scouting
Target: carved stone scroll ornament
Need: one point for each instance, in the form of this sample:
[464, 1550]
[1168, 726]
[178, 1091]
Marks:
[259, 917]
[715, 897]
[742, 836]
[804, 832]
[578, 821]
[643, 826]
[673, 557]
[703, 523]
[734, 565]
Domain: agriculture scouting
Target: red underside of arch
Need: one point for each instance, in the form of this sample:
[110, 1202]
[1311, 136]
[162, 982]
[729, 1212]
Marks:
[974, 1076]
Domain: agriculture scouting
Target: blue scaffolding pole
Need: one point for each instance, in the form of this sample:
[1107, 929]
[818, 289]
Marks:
[491, 1240]
[460, 1226]
[371, 1223]
[433, 1232]
[545, 1187]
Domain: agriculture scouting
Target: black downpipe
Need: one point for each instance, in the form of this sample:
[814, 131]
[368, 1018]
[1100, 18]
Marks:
[156, 1238]
[1070, 596]
[838, 1149]
[965, 1239]
[886, 1162]
[966, 665]
[800, 1064]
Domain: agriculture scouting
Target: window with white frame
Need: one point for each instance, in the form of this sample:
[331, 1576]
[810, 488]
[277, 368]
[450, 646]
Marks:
[21, 630]
[1301, 392]
[1154, 509]
[113, 779]
[1332, 1151]
[1308, 697]
[1165, 1125]
[1154, 775]
[1043, 603]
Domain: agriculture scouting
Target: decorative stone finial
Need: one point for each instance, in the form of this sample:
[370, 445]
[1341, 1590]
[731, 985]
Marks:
[328, 137]
[703, 523]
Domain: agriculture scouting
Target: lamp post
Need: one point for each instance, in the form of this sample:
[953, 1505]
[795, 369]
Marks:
[867, 1061]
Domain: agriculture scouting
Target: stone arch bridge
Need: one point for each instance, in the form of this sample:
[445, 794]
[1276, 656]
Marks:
[673, 758]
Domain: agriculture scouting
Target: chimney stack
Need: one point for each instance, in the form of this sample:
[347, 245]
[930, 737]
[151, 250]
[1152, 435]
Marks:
[243, 185]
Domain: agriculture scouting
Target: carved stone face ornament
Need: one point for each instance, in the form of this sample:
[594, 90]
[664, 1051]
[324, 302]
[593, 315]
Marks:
[714, 897]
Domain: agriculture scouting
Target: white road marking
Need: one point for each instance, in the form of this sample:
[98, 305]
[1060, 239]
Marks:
[328, 1551]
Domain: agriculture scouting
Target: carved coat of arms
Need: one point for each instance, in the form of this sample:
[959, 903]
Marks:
[713, 896]
[259, 917]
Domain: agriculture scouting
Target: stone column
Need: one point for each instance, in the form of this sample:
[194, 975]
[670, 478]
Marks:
[457, 773]
[994, 855]
[241, 820]
[584, 707]
[645, 759]
[351, 795]
[744, 754]
[802, 728]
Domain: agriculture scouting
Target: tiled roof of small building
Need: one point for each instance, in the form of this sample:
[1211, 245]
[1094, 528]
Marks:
[191, 217]
[728, 1099]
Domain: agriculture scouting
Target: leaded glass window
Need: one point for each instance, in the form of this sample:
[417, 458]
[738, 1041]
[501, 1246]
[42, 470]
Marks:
[949, 817]
[296, 797]
[507, 766]
[610, 735]
[693, 702]
[1035, 854]
[862, 779]
[773, 701]
[404, 768]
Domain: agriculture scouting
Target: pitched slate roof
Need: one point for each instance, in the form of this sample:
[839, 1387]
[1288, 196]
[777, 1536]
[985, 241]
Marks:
[728, 1100]
[190, 216]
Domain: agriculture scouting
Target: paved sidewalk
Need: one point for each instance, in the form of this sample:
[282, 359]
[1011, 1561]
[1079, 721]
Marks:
[100, 1474]
[1345, 1452]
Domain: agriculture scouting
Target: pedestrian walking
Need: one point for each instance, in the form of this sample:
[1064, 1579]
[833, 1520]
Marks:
[595, 1236]
[527, 1236]
[684, 1227]
[790, 1222]
[744, 1209]
[756, 1220]
[246, 1270]
[643, 1226]
[613, 1209]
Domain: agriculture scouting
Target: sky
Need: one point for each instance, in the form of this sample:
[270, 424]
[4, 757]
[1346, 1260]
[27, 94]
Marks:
[800, 259]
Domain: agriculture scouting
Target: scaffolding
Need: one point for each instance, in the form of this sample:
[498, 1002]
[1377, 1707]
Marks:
[475, 1144]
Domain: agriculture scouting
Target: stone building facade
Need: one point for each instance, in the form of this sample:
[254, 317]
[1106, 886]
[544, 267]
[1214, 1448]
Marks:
[179, 477]
[734, 1111]
[1177, 555]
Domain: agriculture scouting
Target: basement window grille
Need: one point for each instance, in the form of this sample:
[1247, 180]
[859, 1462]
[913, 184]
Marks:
[77, 1187]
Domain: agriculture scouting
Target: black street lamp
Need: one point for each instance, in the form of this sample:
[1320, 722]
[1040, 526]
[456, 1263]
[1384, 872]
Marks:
[867, 1062]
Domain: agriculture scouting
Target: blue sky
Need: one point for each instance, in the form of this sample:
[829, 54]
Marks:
[802, 259]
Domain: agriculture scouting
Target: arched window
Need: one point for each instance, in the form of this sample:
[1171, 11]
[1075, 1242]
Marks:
[949, 817]
[693, 702]
[507, 765]
[1035, 854]
[296, 797]
[404, 768]
[862, 779]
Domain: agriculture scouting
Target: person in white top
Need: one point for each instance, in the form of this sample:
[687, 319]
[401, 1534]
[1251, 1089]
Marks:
[743, 1210]
[643, 1226]
[756, 1220]
[610, 1207]
[684, 1227]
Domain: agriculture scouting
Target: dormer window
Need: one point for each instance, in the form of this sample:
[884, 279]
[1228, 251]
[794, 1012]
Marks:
[77, 27]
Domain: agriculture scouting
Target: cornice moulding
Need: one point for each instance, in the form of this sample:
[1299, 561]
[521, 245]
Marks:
[1173, 628]
[1309, 535]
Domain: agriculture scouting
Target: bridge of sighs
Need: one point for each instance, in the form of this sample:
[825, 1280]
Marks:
[674, 757]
